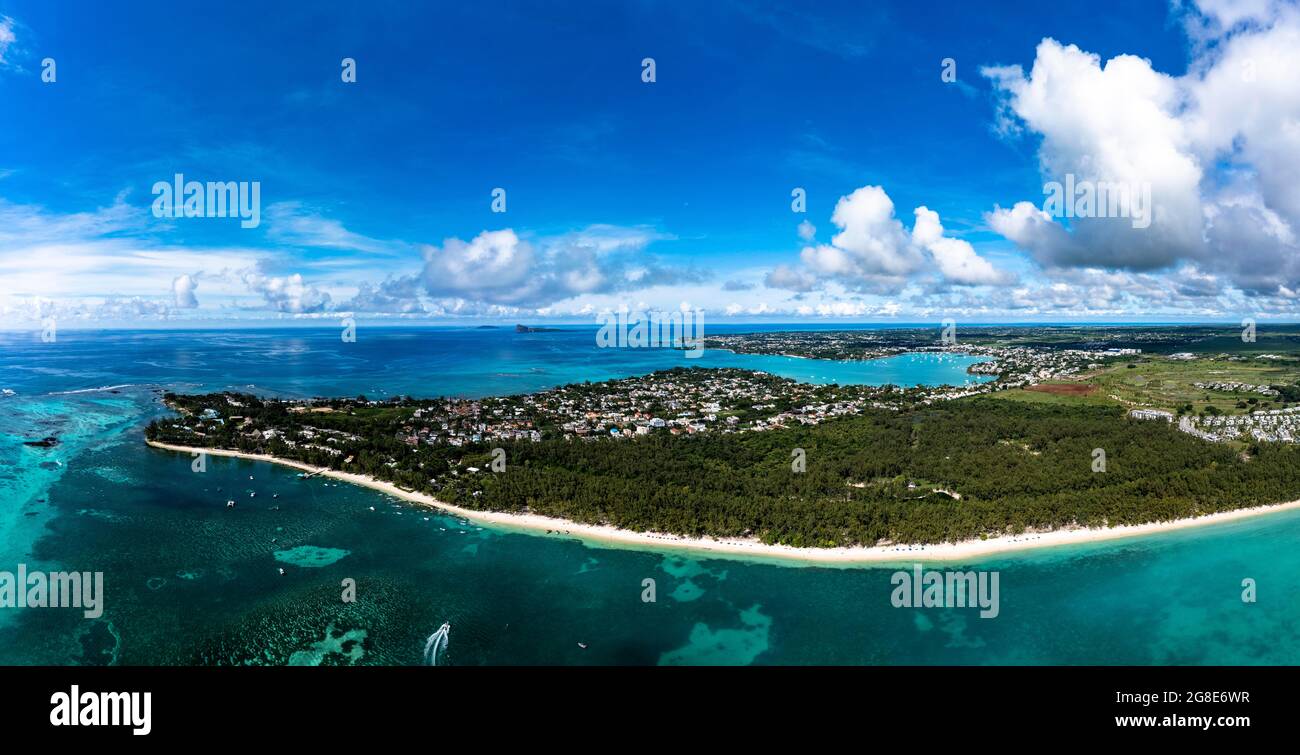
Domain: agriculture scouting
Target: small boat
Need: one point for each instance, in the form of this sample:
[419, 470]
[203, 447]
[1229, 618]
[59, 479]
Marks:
[275, 495]
[582, 645]
[230, 504]
[281, 571]
[252, 494]
[372, 508]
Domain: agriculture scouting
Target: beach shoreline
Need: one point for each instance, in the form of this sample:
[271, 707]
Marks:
[608, 536]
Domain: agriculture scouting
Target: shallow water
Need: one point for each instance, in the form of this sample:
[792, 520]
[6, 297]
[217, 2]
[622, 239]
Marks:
[188, 580]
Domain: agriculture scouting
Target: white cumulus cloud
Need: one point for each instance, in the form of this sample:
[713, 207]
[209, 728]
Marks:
[1218, 147]
[873, 252]
[183, 292]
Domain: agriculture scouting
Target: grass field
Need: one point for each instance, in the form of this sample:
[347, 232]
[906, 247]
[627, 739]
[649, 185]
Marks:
[1159, 382]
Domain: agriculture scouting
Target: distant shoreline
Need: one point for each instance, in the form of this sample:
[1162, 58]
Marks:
[753, 549]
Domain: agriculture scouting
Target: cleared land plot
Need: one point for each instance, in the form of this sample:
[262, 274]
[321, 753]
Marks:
[1064, 389]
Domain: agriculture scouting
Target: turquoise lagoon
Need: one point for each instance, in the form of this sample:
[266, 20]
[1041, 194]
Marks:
[188, 581]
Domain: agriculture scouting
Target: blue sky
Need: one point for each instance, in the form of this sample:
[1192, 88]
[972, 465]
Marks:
[375, 195]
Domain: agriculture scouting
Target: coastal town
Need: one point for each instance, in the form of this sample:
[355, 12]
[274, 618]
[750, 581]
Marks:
[694, 401]
[857, 344]
[678, 401]
[1014, 359]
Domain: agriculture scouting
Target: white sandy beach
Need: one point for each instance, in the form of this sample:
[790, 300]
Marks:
[753, 549]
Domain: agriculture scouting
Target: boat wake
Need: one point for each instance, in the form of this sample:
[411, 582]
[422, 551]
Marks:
[437, 644]
[93, 390]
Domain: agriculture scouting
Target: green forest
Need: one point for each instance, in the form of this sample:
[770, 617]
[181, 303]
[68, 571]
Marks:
[867, 480]
[870, 479]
